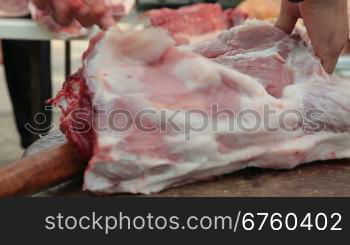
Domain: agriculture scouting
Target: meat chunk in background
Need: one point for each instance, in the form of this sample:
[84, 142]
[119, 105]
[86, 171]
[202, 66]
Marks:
[118, 8]
[196, 22]
[45, 19]
[14, 8]
[143, 71]
[19, 8]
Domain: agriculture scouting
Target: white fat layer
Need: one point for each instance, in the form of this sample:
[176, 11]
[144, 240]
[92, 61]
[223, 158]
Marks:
[187, 71]
[259, 53]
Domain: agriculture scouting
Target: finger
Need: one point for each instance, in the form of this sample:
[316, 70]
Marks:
[85, 16]
[103, 15]
[106, 22]
[62, 13]
[328, 28]
[328, 53]
[286, 23]
[329, 63]
[288, 17]
[92, 12]
[347, 49]
[98, 7]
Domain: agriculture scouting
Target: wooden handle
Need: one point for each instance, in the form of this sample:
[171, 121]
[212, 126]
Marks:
[40, 171]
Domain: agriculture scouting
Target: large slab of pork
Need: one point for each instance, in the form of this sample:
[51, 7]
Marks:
[150, 115]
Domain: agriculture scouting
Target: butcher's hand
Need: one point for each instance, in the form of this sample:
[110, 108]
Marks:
[87, 12]
[327, 25]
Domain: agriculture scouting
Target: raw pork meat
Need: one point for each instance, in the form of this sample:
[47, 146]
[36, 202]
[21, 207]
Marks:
[274, 59]
[196, 22]
[45, 19]
[13, 8]
[119, 9]
[143, 71]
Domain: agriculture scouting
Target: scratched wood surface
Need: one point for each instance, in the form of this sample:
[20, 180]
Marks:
[320, 179]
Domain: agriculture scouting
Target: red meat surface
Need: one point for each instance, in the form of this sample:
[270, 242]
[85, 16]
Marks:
[195, 22]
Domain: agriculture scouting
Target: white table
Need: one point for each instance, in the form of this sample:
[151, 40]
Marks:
[23, 29]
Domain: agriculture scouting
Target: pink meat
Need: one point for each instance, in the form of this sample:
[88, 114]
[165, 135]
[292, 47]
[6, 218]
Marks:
[13, 8]
[269, 55]
[125, 74]
[45, 19]
[194, 21]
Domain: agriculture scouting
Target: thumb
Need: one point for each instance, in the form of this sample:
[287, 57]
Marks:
[329, 63]
[286, 23]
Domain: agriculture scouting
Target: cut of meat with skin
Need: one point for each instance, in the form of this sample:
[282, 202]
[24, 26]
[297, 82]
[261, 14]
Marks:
[196, 22]
[14, 8]
[150, 100]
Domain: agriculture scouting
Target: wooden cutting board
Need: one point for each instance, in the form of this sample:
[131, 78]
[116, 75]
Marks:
[320, 179]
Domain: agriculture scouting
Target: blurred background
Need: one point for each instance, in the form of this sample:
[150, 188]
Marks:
[10, 148]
